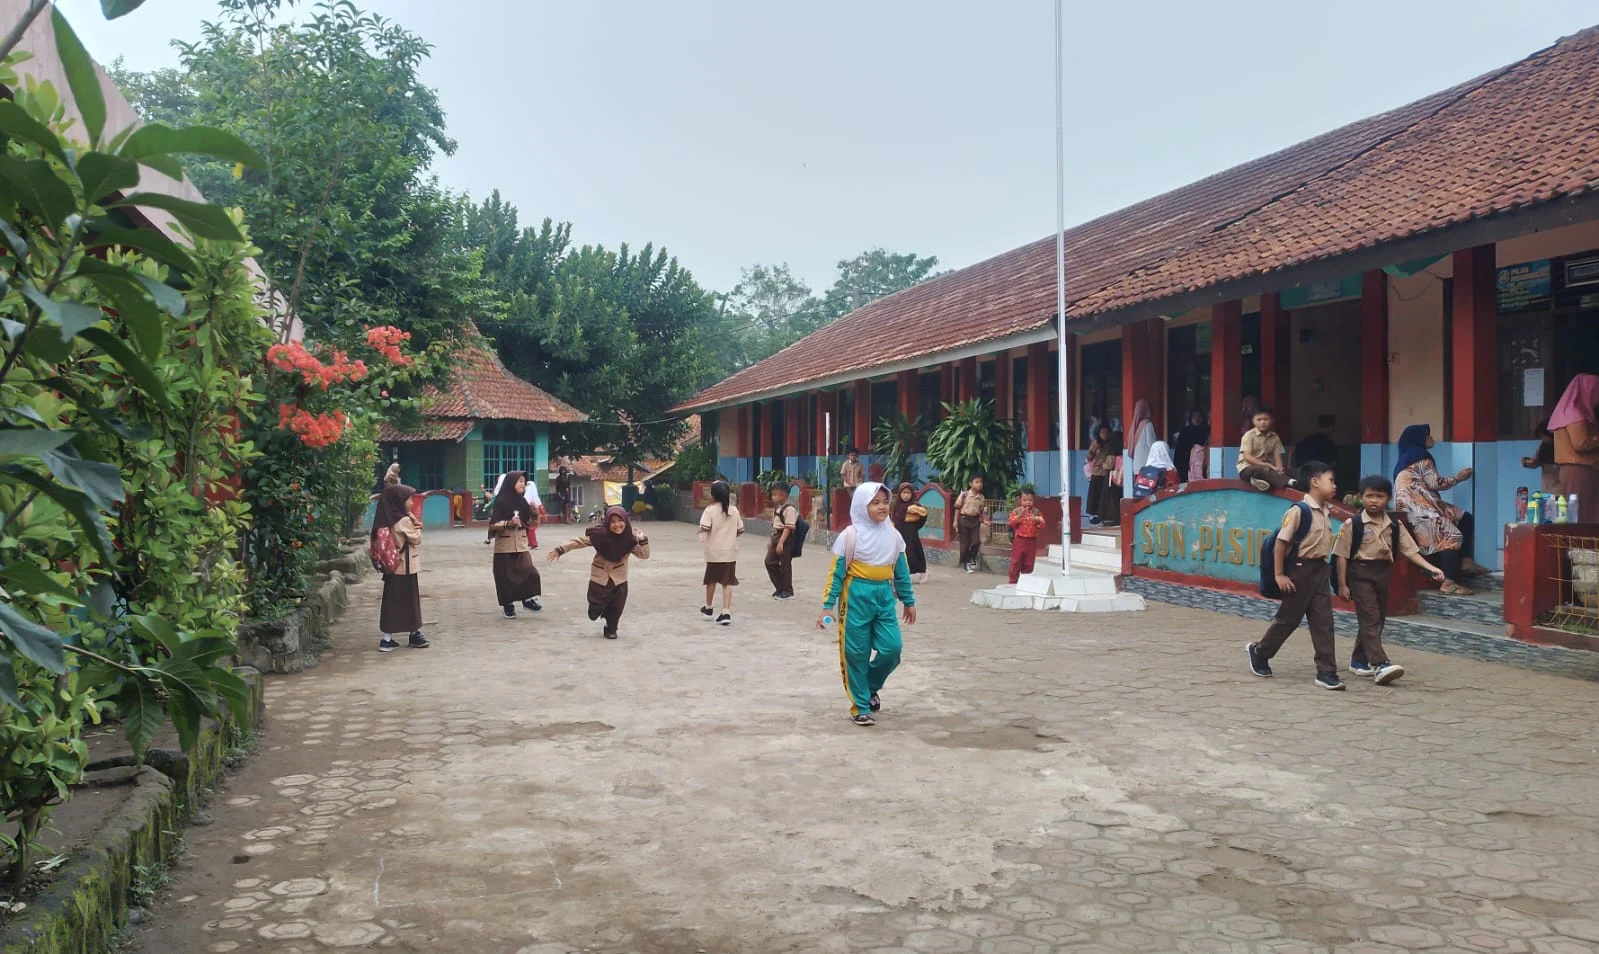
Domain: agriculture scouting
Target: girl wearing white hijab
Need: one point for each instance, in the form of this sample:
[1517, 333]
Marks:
[869, 574]
[1159, 472]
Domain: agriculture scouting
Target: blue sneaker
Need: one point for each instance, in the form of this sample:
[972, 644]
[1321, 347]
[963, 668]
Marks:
[1363, 668]
[1257, 665]
[1329, 680]
[1388, 672]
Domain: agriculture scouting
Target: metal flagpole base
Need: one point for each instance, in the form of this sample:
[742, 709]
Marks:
[1082, 590]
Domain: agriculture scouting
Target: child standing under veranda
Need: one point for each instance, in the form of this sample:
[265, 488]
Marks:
[1377, 540]
[869, 574]
[1025, 522]
[1302, 575]
[720, 527]
[614, 542]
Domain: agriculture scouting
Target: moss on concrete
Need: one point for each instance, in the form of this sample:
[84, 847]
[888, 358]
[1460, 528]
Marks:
[83, 908]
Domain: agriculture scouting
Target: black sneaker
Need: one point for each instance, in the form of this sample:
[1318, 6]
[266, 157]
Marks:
[387, 645]
[532, 605]
[876, 704]
[510, 612]
[418, 641]
[610, 634]
[1329, 680]
[1257, 665]
[1360, 667]
[783, 597]
[707, 612]
[726, 619]
[865, 718]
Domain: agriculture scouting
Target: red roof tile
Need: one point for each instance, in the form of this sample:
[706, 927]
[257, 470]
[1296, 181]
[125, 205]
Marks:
[1523, 134]
[429, 431]
[484, 390]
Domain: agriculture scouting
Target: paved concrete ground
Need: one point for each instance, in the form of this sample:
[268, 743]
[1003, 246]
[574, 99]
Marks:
[1038, 782]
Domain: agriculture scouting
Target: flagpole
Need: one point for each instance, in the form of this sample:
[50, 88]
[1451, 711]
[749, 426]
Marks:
[1063, 358]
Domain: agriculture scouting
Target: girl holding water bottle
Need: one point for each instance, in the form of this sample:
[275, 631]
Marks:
[869, 576]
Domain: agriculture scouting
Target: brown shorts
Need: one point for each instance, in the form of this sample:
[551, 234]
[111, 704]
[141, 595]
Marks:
[722, 573]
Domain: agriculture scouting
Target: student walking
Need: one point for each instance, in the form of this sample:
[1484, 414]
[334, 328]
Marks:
[516, 579]
[1025, 522]
[779, 552]
[853, 472]
[869, 574]
[1260, 455]
[614, 542]
[971, 518]
[720, 527]
[401, 608]
[1364, 556]
[1302, 574]
[909, 518]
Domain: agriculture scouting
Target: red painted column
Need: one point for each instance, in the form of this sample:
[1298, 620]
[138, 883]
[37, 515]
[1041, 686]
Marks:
[1473, 351]
[1143, 365]
[907, 384]
[1275, 355]
[1002, 387]
[1074, 416]
[1226, 366]
[863, 415]
[1039, 368]
[1374, 357]
[791, 427]
[767, 410]
[968, 380]
[822, 406]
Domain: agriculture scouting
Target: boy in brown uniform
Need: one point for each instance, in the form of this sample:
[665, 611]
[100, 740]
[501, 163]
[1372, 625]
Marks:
[1303, 577]
[970, 515]
[1365, 578]
[1260, 455]
[779, 555]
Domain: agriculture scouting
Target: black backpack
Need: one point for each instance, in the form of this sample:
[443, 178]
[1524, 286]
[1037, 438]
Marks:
[1268, 575]
[796, 540]
[1357, 530]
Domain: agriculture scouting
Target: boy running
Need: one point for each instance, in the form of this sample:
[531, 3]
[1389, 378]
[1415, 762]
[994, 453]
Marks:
[1303, 578]
[1025, 522]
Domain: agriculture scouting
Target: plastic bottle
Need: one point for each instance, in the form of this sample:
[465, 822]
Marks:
[1521, 504]
[1533, 505]
[1560, 510]
[1571, 508]
[827, 620]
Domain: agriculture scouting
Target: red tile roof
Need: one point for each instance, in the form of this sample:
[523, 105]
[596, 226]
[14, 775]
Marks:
[483, 390]
[1524, 134]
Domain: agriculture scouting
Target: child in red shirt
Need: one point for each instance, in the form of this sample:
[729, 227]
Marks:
[1025, 522]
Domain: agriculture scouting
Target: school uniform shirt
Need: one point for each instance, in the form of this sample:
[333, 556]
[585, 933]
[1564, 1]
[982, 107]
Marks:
[721, 533]
[408, 534]
[1264, 446]
[511, 540]
[603, 571]
[1025, 525]
[853, 473]
[1376, 540]
[1577, 443]
[970, 504]
[1318, 540]
[783, 518]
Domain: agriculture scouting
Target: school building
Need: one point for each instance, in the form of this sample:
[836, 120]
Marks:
[1438, 263]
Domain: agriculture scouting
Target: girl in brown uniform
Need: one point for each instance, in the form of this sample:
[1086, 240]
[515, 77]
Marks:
[516, 579]
[613, 543]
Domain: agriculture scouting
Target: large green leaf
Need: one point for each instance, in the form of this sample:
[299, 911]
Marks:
[72, 501]
[15, 242]
[158, 140]
[142, 714]
[204, 220]
[167, 298]
[103, 174]
[102, 482]
[17, 123]
[30, 576]
[233, 690]
[159, 631]
[31, 441]
[185, 712]
[131, 295]
[119, 8]
[39, 643]
[106, 233]
[82, 77]
[71, 317]
[131, 363]
[168, 166]
[8, 684]
[39, 189]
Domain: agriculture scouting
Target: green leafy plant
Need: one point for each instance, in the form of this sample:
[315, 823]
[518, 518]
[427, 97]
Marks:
[895, 440]
[767, 479]
[970, 441]
[693, 463]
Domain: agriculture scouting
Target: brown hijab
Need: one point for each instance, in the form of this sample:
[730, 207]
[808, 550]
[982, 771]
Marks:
[613, 546]
[901, 508]
[392, 507]
[509, 501]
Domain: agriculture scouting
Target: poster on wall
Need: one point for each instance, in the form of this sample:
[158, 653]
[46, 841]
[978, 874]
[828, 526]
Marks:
[1524, 287]
[1532, 387]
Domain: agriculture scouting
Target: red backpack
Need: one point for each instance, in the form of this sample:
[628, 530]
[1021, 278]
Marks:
[385, 551]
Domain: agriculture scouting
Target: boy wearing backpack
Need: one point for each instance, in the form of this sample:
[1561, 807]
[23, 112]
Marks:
[779, 552]
[1299, 565]
[1365, 554]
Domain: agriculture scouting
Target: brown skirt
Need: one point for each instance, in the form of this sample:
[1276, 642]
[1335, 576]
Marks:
[723, 573]
[401, 609]
[515, 578]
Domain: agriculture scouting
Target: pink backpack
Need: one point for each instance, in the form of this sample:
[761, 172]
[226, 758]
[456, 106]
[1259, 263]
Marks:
[385, 551]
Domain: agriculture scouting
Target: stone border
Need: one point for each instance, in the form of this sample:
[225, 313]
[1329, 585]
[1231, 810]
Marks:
[296, 641]
[87, 903]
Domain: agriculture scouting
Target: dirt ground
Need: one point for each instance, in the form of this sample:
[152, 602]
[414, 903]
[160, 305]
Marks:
[1037, 782]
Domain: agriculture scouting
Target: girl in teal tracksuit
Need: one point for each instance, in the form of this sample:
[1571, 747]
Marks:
[869, 574]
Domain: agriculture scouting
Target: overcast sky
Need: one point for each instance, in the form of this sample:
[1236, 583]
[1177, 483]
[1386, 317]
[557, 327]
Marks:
[738, 132]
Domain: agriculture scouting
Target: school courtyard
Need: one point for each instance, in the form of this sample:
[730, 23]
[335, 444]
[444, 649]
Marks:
[1037, 782]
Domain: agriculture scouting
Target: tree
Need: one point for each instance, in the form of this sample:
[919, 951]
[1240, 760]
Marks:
[768, 310]
[875, 274]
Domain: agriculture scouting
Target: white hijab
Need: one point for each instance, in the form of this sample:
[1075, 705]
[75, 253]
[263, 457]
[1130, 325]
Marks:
[1160, 456]
[876, 544]
[531, 494]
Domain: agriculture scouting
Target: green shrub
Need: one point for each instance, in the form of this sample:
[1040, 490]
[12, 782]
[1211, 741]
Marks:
[971, 441]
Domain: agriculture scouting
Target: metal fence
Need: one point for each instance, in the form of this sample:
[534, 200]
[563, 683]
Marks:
[1576, 569]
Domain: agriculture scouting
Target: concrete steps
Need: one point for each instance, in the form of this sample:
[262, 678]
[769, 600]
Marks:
[1484, 607]
[1091, 587]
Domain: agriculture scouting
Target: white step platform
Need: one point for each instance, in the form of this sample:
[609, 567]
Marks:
[1089, 588]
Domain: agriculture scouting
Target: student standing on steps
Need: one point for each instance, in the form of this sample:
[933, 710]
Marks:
[720, 527]
[401, 609]
[869, 574]
[1377, 540]
[614, 542]
[1302, 575]
[516, 579]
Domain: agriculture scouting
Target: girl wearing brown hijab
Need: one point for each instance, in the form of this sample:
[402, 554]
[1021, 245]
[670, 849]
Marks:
[909, 518]
[516, 579]
[613, 542]
[401, 609]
